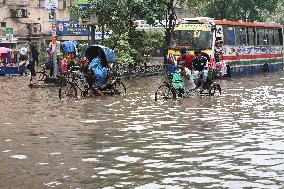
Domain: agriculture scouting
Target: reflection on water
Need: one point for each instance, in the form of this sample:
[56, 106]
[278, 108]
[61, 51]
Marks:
[231, 141]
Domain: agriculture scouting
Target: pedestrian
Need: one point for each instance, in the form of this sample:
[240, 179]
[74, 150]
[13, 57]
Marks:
[31, 65]
[35, 54]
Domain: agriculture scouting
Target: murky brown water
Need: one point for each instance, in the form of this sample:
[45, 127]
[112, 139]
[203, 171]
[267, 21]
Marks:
[232, 141]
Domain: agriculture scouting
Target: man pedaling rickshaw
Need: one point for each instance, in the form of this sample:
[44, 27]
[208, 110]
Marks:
[200, 65]
[96, 69]
[182, 79]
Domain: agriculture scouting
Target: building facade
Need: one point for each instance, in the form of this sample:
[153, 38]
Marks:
[28, 20]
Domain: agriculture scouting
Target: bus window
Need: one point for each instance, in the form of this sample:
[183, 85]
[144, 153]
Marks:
[192, 39]
[226, 35]
[259, 36]
[265, 37]
[251, 36]
[280, 33]
[241, 36]
[270, 37]
[229, 35]
[276, 37]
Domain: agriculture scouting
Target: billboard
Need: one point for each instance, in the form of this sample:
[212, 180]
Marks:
[71, 28]
[51, 4]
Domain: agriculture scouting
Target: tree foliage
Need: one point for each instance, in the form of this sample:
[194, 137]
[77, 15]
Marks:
[119, 16]
[246, 10]
[276, 16]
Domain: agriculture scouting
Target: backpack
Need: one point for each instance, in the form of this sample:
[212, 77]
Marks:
[177, 81]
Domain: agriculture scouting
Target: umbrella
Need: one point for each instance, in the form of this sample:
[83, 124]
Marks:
[4, 50]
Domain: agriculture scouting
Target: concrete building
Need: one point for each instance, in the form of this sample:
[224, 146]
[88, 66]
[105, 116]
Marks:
[28, 20]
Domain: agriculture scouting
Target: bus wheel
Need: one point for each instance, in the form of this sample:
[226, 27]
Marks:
[265, 68]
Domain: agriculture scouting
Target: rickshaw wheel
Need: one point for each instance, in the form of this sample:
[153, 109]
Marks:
[67, 91]
[119, 88]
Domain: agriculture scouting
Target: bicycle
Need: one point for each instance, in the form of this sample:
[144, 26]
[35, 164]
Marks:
[77, 81]
[42, 74]
[167, 90]
[210, 85]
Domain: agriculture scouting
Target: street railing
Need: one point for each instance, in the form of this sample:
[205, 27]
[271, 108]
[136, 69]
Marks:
[140, 71]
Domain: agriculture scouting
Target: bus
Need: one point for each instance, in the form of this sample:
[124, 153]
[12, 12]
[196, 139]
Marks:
[247, 48]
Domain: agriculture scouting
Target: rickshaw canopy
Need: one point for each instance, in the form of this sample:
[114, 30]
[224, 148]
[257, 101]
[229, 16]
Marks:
[69, 46]
[109, 53]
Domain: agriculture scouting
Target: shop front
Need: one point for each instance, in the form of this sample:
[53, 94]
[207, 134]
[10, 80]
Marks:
[9, 56]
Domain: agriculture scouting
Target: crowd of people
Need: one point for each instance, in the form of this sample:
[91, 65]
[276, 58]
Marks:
[193, 69]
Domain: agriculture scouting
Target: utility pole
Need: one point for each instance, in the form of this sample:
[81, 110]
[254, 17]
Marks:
[29, 32]
[170, 24]
[93, 34]
[54, 43]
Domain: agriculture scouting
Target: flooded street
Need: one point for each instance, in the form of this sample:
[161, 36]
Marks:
[234, 140]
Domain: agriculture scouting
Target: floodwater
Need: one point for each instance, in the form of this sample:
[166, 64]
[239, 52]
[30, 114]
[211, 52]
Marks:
[235, 140]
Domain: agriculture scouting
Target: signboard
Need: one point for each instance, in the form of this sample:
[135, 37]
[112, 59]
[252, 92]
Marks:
[19, 13]
[51, 4]
[98, 36]
[72, 29]
[219, 31]
[51, 15]
[24, 2]
[83, 3]
[9, 31]
[202, 27]
[53, 40]
[8, 40]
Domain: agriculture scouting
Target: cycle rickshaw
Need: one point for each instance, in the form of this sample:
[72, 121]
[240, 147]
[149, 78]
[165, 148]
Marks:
[167, 89]
[78, 85]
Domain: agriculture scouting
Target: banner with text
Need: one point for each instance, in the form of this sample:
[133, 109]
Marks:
[51, 4]
[71, 28]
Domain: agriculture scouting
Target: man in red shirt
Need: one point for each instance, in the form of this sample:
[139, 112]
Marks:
[186, 58]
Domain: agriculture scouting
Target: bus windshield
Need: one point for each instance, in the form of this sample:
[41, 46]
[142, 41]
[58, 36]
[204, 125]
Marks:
[191, 39]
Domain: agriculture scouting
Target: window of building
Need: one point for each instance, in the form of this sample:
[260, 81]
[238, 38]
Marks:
[41, 3]
[64, 4]
[3, 24]
[35, 29]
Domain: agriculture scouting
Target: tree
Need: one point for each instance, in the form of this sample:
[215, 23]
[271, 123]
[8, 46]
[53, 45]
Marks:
[119, 16]
[246, 10]
[278, 15]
